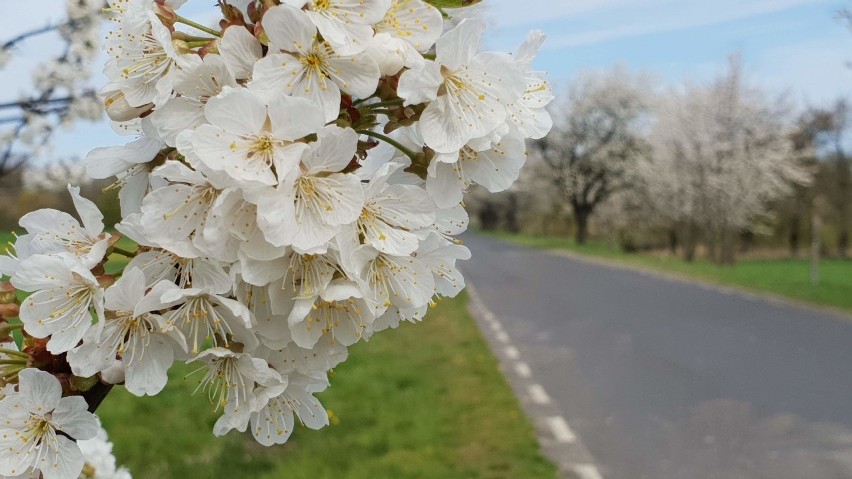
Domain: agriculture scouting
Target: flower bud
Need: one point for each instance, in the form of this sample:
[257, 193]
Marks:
[7, 293]
[106, 280]
[255, 11]
[232, 15]
[8, 311]
[83, 384]
[166, 14]
[118, 109]
[260, 34]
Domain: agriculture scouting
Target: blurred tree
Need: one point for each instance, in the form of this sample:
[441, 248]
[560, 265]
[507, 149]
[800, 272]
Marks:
[59, 90]
[721, 153]
[828, 129]
[596, 141]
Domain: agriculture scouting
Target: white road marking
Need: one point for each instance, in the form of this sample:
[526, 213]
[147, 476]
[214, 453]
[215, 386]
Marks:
[587, 471]
[538, 394]
[523, 370]
[560, 429]
[512, 352]
[557, 425]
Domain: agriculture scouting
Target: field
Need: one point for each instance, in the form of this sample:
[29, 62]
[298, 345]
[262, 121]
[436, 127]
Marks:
[789, 277]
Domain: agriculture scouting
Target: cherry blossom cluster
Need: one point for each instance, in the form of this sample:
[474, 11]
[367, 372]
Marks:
[47, 435]
[295, 187]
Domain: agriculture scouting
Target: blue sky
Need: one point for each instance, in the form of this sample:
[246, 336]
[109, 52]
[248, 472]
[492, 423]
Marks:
[795, 46]
[792, 46]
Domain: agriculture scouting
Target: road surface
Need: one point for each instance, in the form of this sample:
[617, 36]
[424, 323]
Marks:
[663, 379]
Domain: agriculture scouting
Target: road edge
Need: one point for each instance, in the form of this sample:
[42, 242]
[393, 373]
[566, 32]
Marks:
[744, 292]
[558, 441]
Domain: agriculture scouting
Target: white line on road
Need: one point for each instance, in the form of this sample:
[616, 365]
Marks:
[587, 471]
[512, 352]
[560, 429]
[538, 394]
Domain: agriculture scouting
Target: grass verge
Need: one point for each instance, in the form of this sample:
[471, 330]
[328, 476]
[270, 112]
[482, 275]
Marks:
[423, 401]
[788, 277]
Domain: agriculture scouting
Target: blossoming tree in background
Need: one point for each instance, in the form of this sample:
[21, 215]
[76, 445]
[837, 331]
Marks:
[58, 91]
[293, 183]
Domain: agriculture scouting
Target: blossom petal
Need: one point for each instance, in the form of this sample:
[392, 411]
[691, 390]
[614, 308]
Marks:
[237, 110]
[41, 390]
[421, 83]
[240, 50]
[288, 28]
[72, 417]
[294, 118]
[458, 46]
[64, 462]
[358, 76]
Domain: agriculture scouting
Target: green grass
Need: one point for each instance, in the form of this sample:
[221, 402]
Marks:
[786, 277]
[423, 401]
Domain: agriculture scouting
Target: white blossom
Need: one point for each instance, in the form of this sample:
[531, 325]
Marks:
[52, 231]
[468, 92]
[133, 332]
[64, 295]
[310, 68]
[39, 426]
[345, 24]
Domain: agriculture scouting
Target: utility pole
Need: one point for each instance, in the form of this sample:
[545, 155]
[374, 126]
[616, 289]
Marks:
[816, 236]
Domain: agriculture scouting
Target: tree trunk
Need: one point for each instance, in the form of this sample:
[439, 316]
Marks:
[711, 243]
[581, 223]
[843, 240]
[511, 214]
[690, 241]
[793, 239]
[489, 217]
[673, 241]
[728, 248]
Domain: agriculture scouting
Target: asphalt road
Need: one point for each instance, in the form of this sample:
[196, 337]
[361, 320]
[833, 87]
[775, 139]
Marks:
[664, 379]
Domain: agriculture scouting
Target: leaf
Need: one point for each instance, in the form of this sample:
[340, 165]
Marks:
[452, 3]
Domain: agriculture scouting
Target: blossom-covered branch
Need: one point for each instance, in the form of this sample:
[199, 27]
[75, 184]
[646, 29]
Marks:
[293, 186]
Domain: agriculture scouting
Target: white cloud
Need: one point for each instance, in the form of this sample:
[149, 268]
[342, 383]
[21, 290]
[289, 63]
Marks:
[606, 20]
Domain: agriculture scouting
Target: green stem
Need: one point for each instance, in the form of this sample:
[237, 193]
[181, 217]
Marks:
[186, 21]
[362, 100]
[14, 362]
[382, 112]
[193, 38]
[396, 102]
[14, 352]
[198, 43]
[11, 373]
[123, 252]
[391, 142]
